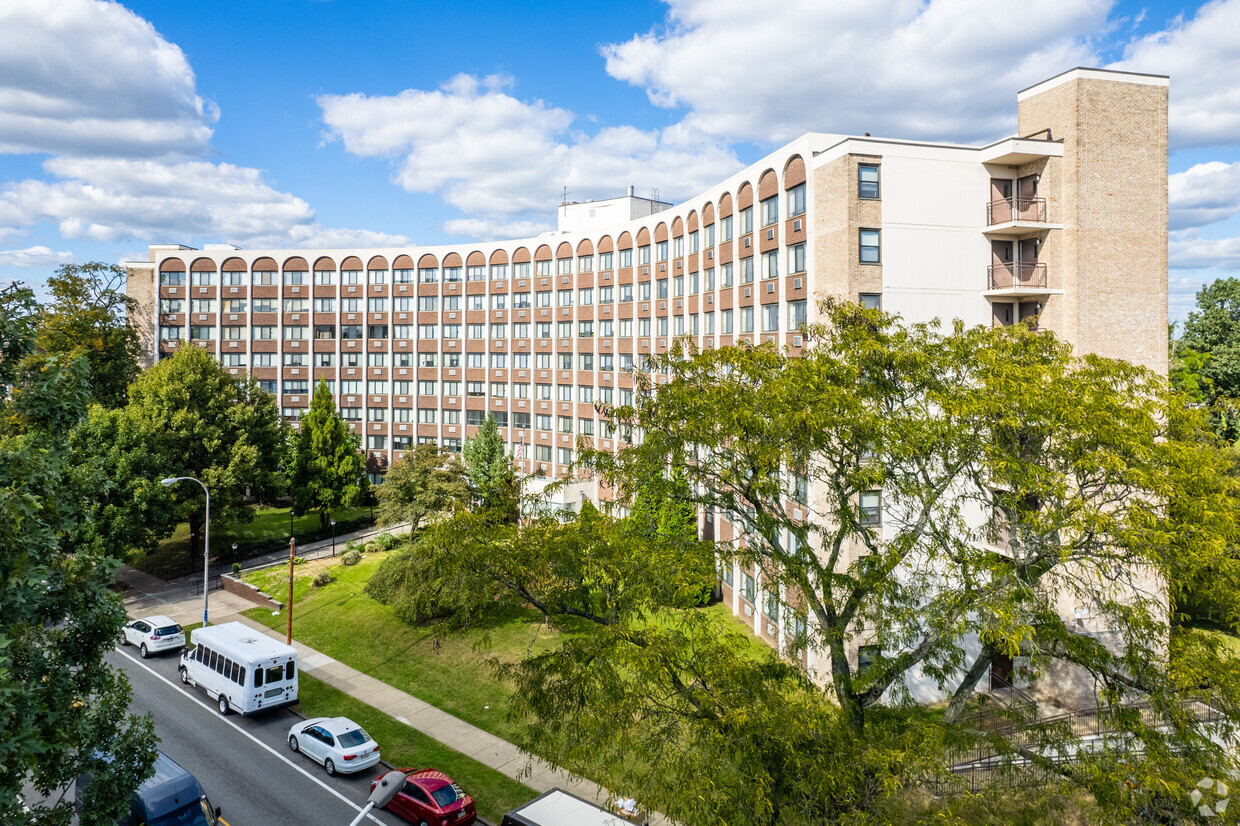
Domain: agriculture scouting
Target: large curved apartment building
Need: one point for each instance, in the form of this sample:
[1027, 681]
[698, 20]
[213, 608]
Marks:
[1066, 221]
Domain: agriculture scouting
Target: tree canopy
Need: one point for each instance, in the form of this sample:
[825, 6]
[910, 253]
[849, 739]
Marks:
[945, 498]
[423, 482]
[492, 475]
[185, 416]
[326, 469]
[63, 710]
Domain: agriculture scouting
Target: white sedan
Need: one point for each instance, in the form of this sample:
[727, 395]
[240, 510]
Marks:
[340, 744]
[153, 635]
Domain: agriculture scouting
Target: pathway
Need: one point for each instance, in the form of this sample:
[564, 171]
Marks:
[145, 595]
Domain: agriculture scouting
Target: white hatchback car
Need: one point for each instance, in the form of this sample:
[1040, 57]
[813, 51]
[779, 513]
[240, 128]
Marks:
[340, 744]
[153, 635]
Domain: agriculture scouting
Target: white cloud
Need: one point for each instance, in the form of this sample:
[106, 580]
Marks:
[34, 257]
[503, 161]
[1202, 56]
[1187, 250]
[943, 69]
[115, 200]
[1204, 194]
[79, 77]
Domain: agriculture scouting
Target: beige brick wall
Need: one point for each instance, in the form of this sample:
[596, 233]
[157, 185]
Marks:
[141, 285]
[836, 271]
[1111, 197]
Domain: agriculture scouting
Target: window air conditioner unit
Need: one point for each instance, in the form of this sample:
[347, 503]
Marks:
[771, 630]
[748, 611]
[796, 225]
[770, 235]
[796, 283]
[746, 240]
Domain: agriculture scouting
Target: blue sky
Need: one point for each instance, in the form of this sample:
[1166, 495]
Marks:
[325, 123]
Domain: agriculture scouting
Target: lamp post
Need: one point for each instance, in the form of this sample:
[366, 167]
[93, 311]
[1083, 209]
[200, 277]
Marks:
[333, 537]
[206, 545]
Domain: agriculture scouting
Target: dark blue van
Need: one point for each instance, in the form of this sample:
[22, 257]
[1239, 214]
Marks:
[169, 797]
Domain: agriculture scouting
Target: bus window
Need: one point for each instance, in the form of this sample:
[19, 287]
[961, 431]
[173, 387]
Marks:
[258, 678]
[288, 670]
[274, 674]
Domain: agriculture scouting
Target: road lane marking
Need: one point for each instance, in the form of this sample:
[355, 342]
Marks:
[260, 743]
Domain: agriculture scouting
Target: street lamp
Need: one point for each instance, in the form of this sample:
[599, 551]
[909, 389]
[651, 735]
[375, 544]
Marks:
[333, 537]
[384, 793]
[206, 545]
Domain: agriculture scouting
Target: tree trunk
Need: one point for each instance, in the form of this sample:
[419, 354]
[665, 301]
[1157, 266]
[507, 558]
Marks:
[324, 520]
[841, 681]
[195, 541]
[956, 707]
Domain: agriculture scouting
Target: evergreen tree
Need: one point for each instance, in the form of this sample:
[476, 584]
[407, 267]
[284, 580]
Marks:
[327, 467]
[492, 475]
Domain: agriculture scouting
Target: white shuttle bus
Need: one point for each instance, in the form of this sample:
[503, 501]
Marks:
[240, 668]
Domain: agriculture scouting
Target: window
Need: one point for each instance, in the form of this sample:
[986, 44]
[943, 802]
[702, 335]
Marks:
[606, 328]
[376, 414]
[324, 359]
[585, 329]
[869, 243]
[499, 390]
[500, 271]
[564, 266]
[796, 200]
[324, 277]
[679, 286]
[499, 301]
[170, 333]
[542, 422]
[203, 305]
[770, 211]
[376, 359]
[747, 270]
[587, 361]
[746, 216]
[867, 657]
[564, 424]
[770, 605]
[428, 303]
[626, 328]
[499, 331]
[351, 331]
[171, 279]
[350, 276]
[296, 359]
[376, 442]
[264, 360]
[325, 305]
[296, 387]
[203, 279]
[585, 427]
[725, 229]
[709, 324]
[770, 264]
[796, 258]
[797, 314]
[585, 296]
[263, 278]
[747, 588]
[626, 292]
[376, 305]
[426, 388]
[867, 181]
[263, 332]
[174, 305]
[626, 258]
[564, 298]
[564, 329]
[451, 274]
[605, 261]
[660, 250]
[725, 322]
[376, 276]
[725, 278]
[351, 388]
[234, 359]
[770, 318]
[350, 305]
[871, 301]
[870, 507]
[662, 288]
[296, 277]
[377, 331]
[585, 394]
[747, 319]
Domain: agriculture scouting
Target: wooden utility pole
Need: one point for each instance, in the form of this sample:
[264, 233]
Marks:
[292, 552]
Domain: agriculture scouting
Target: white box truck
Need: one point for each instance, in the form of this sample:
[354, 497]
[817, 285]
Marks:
[560, 808]
[240, 668]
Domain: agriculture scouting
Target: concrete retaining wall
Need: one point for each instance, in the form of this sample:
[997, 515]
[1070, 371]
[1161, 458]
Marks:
[251, 592]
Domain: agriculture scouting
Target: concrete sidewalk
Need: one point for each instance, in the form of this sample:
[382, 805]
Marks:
[146, 595]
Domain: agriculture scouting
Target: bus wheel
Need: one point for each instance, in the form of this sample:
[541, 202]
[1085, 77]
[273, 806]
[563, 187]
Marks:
[184, 676]
[223, 704]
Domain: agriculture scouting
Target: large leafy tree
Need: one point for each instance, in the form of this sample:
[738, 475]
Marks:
[186, 416]
[1205, 362]
[492, 475]
[89, 312]
[423, 482]
[63, 711]
[327, 469]
[1015, 479]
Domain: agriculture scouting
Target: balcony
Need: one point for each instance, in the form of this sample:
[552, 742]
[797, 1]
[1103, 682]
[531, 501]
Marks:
[1015, 278]
[1016, 209]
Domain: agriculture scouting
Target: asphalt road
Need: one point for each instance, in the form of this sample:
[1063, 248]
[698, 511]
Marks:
[244, 764]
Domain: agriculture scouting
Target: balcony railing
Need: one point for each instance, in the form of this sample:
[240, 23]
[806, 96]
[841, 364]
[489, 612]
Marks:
[1003, 210]
[1014, 275]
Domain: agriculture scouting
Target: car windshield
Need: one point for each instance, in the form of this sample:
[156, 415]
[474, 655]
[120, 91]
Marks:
[447, 795]
[353, 738]
[168, 630]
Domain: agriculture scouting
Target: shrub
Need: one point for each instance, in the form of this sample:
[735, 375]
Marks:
[350, 546]
[323, 577]
[236, 569]
[299, 560]
[352, 557]
[385, 541]
[372, 547]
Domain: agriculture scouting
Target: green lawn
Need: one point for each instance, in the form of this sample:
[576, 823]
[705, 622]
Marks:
[494, 793]
[341, 621]
[268, 524]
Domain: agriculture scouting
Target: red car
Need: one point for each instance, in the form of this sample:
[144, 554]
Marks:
[430, 798]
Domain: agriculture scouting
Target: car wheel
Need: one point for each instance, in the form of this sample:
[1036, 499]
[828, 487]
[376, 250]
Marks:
[184, 676]
[293, 744]
[329, 767]
[223, 704]
[124, 638]
[144, 652]
[423, 823]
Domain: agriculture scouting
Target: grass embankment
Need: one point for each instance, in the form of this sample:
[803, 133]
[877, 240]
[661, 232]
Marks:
[269, 523]
[452, 674]
[494, 793]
